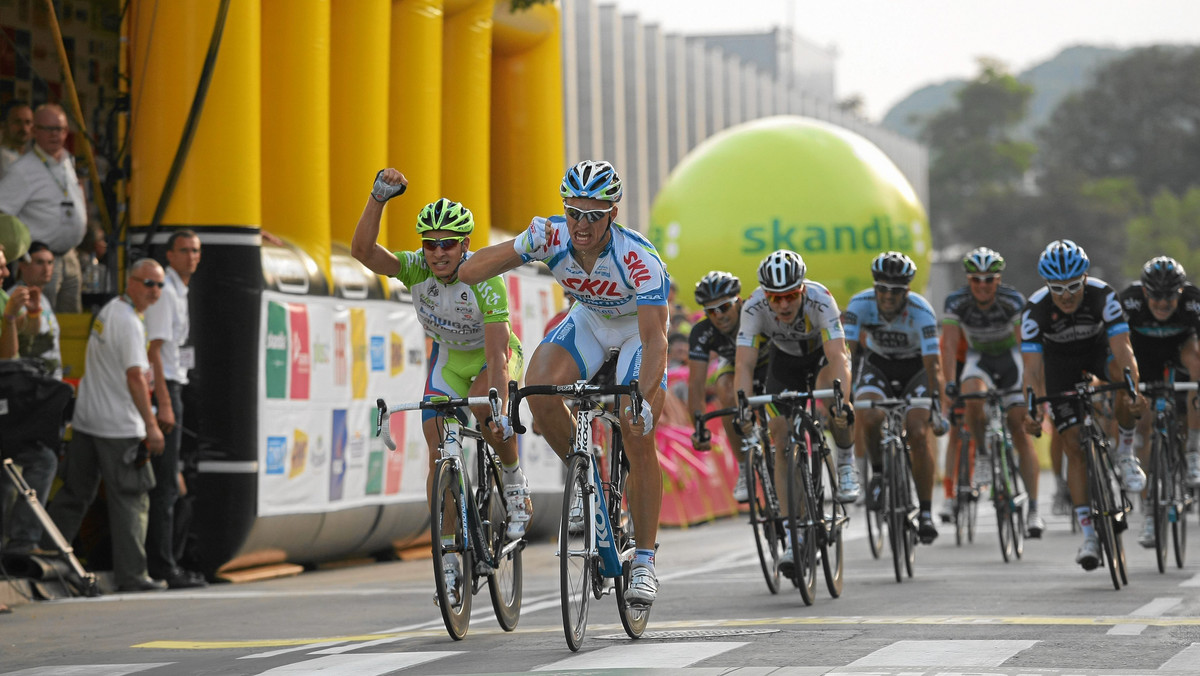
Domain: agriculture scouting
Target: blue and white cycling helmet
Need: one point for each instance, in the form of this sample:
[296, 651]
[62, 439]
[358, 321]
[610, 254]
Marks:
[592, 179]
[1063, 259]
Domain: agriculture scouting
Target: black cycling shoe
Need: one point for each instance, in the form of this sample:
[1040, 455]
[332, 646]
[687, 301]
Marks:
[926, 530]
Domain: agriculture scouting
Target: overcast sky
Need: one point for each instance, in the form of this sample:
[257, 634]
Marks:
[888, 48]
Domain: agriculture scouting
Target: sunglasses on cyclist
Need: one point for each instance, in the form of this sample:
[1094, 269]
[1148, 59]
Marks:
[444, 243]
[149, 283]
[1161, 297]
[1063, 289]
[785, 297]
[720, 309]
[593, 216]
[982, 279]
[883, 289]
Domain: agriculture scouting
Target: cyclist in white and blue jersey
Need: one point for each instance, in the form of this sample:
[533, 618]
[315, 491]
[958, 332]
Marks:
[474, 348]
[620, 284]
[893, 337]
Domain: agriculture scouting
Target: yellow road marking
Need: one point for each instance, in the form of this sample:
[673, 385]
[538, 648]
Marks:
[1105, 621]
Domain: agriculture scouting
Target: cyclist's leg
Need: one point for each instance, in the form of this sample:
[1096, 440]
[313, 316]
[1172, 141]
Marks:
[871, 384]
[569, 353]
[1008, 371]
[439, 380]
[1133, 478]
[1189, 356]
[516, 486]
[848, 488]
[975, 379]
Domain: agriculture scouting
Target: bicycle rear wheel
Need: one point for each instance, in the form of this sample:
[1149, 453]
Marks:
[1183, 504]
[574, 559]
[1102, 509]
[764, 517]
[802, 530]
[448, 504]
[1019, 499]
[834, 520]
[633, 618]
[506, 581]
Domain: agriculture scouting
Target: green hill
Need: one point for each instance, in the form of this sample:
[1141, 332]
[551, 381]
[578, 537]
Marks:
[1053, 80]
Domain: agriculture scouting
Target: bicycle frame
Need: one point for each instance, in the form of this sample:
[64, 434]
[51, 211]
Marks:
[1167, 497]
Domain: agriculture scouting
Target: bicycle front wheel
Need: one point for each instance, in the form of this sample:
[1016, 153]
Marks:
[910, 509]
[505, 581]
[834, 520]
[453, 565]
[1158, 499]
[574, 557]
[764, 515]
[1102, 509]
[801, 528]
[963, 504]
[897, 511]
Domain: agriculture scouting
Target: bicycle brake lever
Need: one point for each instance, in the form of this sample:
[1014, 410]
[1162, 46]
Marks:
[383, 425]
[514, 408]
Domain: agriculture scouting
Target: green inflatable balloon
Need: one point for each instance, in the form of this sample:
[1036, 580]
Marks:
[787, 183]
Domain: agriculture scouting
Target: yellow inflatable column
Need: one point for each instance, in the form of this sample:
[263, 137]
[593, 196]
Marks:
[415, 112]
[295, 123]
[466, 108]
[219, 183]
[527, 116]
[358, 112]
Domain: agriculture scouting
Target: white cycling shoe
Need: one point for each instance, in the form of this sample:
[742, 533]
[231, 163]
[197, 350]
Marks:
[740, 492]
[1146, 539]
[643, 586]
[848, 488]
[1193, 469]
[1133, 479]
[1089, 553]
[452, 576]
[520, 509]
[575, 524]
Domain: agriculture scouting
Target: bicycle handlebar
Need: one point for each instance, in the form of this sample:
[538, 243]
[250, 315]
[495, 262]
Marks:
[577, 389]
[1178, 387]
[939, 422]
[441, 404]
[1081, 391]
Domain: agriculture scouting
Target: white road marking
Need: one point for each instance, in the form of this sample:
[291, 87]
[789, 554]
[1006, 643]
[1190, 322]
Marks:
[1194, 582]
[643, 656]
[1155, 608]
[89, 669]
[1184, 661]
[943, 654]
[370, 664]
[292, 649]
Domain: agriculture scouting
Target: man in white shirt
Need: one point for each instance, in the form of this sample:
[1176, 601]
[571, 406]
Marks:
[116, 431]
[170, 358]
[42, 190]
[18, 129]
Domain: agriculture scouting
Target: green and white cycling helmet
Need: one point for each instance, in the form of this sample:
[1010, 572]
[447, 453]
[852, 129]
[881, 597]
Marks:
[446, 214]
[983, 259]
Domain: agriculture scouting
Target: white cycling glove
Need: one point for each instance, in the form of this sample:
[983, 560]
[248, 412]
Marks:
[505, 425]
[383, 191]
[647, 415]
[533, 239]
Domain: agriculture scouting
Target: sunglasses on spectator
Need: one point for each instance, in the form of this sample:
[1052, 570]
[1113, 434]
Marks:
[444, 243]
[786, 297]
[720, 309]
[593, 216]
[149, 283]
[1062, 289]
[982, 279]
[882, 288]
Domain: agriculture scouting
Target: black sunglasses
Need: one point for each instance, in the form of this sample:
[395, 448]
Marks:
[443, 243]
[150, 283]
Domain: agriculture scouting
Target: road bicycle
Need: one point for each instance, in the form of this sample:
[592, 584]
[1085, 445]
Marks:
[595, 539]
[966, 494]
[1008, 489]
[1168, 497]
[897, 502]
[475, 515]
[817, 520]
[758, 468]
[1109, 504]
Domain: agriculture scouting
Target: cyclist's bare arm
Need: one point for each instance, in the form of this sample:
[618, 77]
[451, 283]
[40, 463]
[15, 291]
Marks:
[365, 246]
[652, 327]
[951, 333]
[489, 262]
[697, 385]
[933, 369]
[1189, 355]
[495, 349]
[837, 354]
[1122, 352]
[743, 369]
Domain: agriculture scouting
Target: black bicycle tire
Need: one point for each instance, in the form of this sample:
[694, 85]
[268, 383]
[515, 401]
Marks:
[633, 619]
[505, 603]
[873, 517]
[804, 557]
[763, 521]
[1101, 494]
[962, 488]
[457, 619]
[1019, 497]
[909, 528]
[579, 586]
[833, 551]
[1158, 497]
[896, 513]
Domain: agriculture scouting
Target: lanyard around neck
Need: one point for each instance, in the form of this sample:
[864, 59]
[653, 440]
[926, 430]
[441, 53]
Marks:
[62, 185]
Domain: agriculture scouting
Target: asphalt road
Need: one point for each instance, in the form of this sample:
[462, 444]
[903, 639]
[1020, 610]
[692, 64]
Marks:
[964, 612]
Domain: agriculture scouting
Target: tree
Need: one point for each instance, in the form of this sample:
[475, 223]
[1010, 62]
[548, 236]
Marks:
[974, 158]
[1140, 119]
[1170, 227]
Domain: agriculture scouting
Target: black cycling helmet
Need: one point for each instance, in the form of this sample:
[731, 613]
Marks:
[781, 271]
[716, 285]
[1163, 275]
[893, 267]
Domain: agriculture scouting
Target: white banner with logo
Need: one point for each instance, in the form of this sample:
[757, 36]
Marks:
[324, 362]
